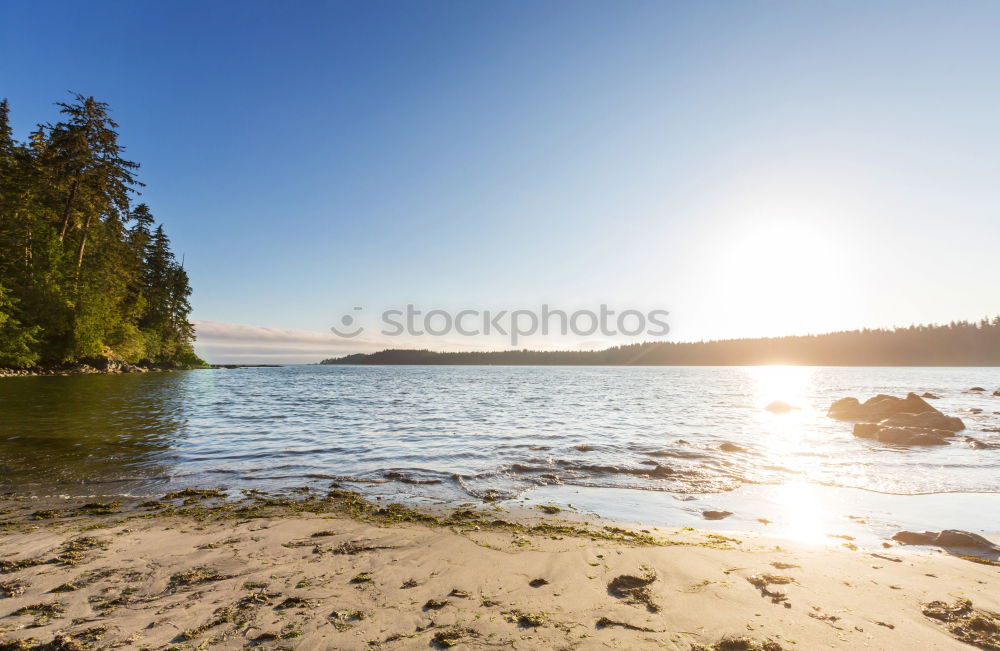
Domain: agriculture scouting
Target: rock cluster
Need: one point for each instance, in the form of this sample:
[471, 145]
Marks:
[901, 421]
[92, 366]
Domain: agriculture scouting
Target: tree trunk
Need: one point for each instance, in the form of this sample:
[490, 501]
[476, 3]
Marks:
[83, 243]
[69, 207]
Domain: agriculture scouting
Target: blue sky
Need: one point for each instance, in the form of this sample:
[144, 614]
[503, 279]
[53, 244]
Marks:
[755, 168]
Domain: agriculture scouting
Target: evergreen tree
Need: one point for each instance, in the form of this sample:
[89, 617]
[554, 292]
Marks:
[17, 343]
[83, 273]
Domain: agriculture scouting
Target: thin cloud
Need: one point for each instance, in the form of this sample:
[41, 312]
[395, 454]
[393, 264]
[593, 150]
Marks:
[235, 343]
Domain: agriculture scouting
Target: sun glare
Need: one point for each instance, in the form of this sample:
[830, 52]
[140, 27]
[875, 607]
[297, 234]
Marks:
[802, 514]
[788, 384]
[788, 274]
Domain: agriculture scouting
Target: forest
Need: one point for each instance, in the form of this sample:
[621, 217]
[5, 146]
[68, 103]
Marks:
[961, 343]
[86, 273]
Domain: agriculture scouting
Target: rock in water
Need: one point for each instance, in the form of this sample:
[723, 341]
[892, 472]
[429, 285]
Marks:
[932, 419]
[949, 538]
[902, 435]
[879, 407]
[731, 447]
[716, 515]
[866, 430]
[928, 394]
[900, 421]
[912, 435]
[779, 407]
[959, 538]
[914, 537]
[845, 409]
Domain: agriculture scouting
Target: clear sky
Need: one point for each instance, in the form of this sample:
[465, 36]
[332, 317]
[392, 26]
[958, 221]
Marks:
[755, 168]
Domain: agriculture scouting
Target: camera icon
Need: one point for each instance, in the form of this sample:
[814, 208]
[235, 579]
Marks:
[347, 321]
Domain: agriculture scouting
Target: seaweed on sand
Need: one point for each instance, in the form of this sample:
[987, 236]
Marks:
[635, 589]
[435, 604]
[739, 643]
[42, 612]
[224, 615]
[85, 579]
[255, 599]
[74, 552]
[970, 625]
[351, 548]
[61, 642]
[294, 602]
[19, 645]
[344, 619]
[202, 494]
[526, 619]
[100, 508]
[604, 622]
[8, 566]
[108, 604]
[323, 534]
[451, 636]
[12, 588]
[778, 565]
[92, 634]
[45, 514]
[763, 582]
[194, 576]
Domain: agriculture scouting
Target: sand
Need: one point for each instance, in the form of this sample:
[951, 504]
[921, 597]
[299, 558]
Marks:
[189, 573]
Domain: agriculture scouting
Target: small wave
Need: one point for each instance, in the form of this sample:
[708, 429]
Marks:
[412, 477]
[676, 454]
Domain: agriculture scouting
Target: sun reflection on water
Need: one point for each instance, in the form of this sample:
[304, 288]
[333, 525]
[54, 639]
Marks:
[802, 515]
[785, 431]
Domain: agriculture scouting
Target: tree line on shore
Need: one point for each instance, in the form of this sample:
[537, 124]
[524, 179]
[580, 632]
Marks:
[960, 343]
[85, 271]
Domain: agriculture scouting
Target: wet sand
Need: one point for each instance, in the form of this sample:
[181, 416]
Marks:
[196, 570]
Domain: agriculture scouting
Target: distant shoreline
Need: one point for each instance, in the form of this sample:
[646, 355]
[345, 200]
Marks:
[961, 343]
[598, 365]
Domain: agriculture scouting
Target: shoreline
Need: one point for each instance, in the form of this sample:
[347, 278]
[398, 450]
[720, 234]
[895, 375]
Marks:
[111, 367]
[798, 511]
[194, 569]
[118, 368]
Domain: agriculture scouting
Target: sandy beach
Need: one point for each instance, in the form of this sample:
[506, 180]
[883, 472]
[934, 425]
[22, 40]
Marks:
[197, 570]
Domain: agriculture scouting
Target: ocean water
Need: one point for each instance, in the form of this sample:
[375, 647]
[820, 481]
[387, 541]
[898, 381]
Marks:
[461, 433]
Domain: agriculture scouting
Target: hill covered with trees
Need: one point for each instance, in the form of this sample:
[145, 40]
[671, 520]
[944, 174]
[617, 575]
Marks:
[960, 343]
[85, 272]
